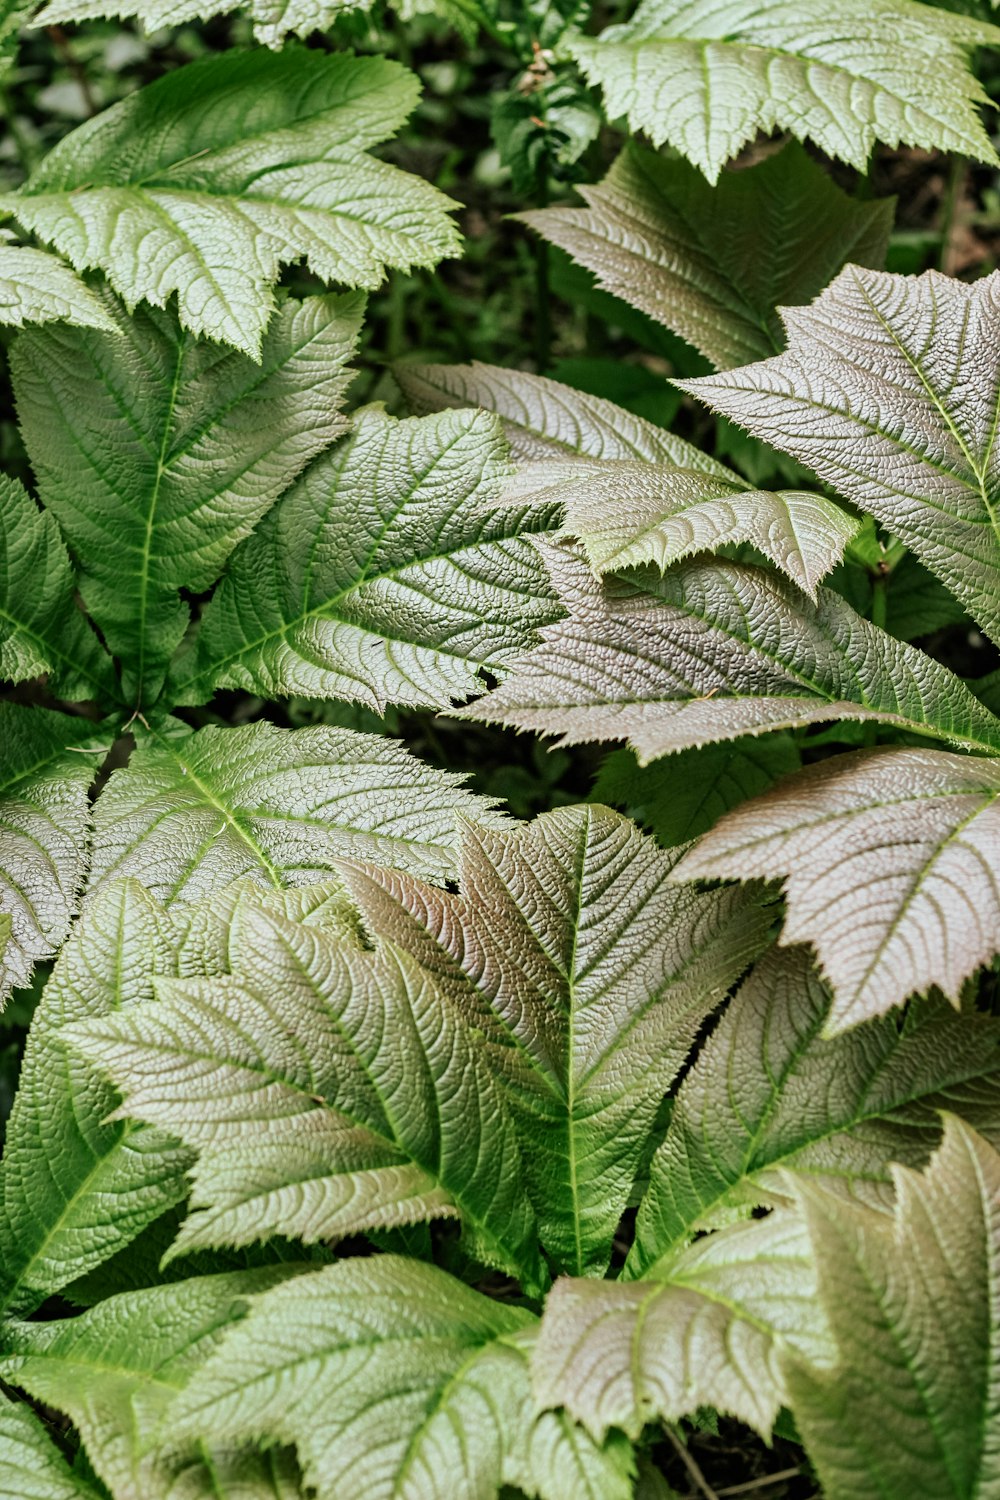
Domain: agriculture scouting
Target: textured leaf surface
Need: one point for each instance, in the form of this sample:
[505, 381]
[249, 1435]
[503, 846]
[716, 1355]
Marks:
[890, 860]
[31, 1466]
[889, 390]
[44, 823]
[912, 1407]
[116, 1369]
[192, 812]
[389, 574]
[682, 796]
[157, 453]
[545, 419]
[706, 76]
[75, 1188]
[327, 1090]
[394, 1380]
[595, 982]
[714, 264]
[41, 629]
[272, 19]
[710, 1333]
[769, 1091]
[715, 650]
[210, 179]
[37, 288]
[627, 513]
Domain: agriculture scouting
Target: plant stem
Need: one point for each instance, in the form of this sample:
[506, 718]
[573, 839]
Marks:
[543, 293]
[949, 203]
[691, 1465]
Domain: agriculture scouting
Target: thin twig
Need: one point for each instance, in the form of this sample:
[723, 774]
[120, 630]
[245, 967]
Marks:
[760, 1484]
[691, 1465]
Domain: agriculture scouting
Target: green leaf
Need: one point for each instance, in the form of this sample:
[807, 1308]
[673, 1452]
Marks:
[707, 77]
[389, 574]
[272, 19]
[44, 824]
[588, 980]
[712, 651]
[37, 288]
[768, 1091]
[627, 513]
[889, 859]
[685, 794]
[115, 1371]
[713, 264]
[885, 393]
[41, 629]
[208, 180]
[710, 1332]
[31, 1466]
[392, 1378]
[545, 419]
[192, 812]
[157, 453]
[327, 1090]
[911, 1407]
[76, 1188]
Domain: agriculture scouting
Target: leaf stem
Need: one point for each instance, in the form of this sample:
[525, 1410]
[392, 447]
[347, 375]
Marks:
[691, 1464]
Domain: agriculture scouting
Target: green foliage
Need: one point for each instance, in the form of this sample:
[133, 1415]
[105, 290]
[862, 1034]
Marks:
[369, 1139]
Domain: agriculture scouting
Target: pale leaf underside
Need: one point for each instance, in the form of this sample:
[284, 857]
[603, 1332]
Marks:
[712, 651]
[204, 183]
[627, 513]
[912, 1406]
[31, 1465]
[389, 573]
[889, 389]
[545, 419]
[706, 76]
[711, 1332]
[190, 813]
[890, 860]
[713, 264]
[594, 984]
[35, 287]
[769, 1092]
[393, 1379]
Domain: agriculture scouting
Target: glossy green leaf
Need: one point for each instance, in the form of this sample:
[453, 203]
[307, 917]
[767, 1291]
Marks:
[712, 651]
[393, 1379]
[890, 860]
[204, 183]
[594, 981]
[714, 264]
[192, 812]
[911, 1408]
[889, 390]
[36, 287]
[157, 453]
[770, 1092]
[705, 76]
[389, 574]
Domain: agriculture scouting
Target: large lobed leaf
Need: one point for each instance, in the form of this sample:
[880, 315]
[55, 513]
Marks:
[714, 264]
[589, 981]
[705, 76]
[389, 574]
[49, 762]
[394, 1380]
[157, 453]
[36, 287]
[770, 1093]
[41, 628]
[204, 183]
[889, 390]
[891, 862]
[327, 1090]
[192, 812]
[912, 1406]
[715, 650]
[711, 1330]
